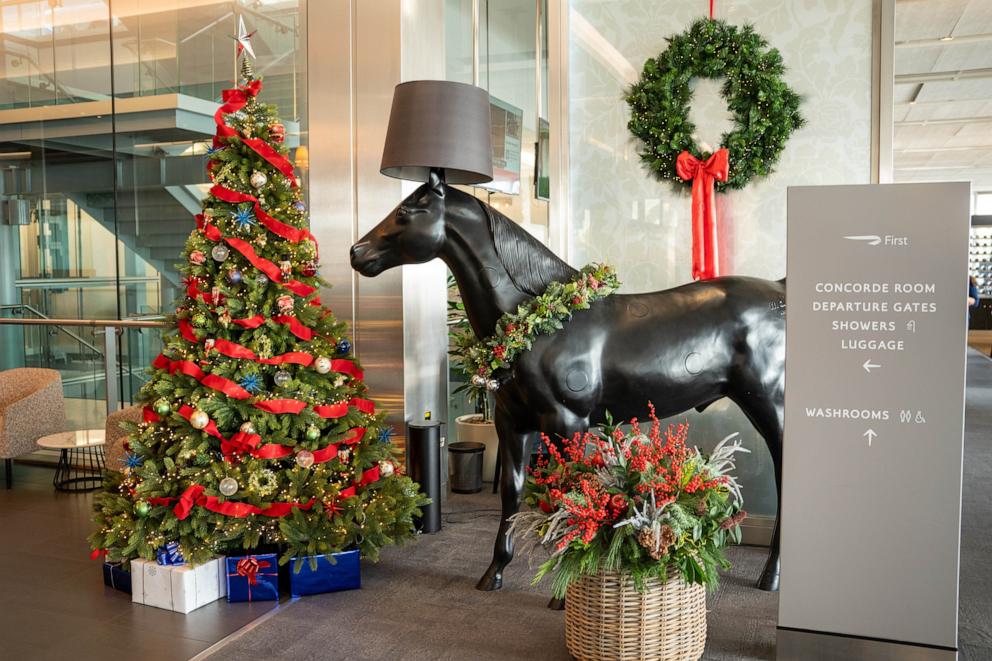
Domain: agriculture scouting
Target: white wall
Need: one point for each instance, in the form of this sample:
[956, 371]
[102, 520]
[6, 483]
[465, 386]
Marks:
[622, 215]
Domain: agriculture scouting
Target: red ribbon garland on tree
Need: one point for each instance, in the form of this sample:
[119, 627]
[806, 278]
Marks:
[288, 232]
[234, 100]
[705, 234]
[248, 252]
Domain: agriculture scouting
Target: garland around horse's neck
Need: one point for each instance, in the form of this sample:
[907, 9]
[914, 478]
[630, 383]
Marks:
[542, 315]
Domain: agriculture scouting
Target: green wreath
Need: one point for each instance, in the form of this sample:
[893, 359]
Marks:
[765, 110]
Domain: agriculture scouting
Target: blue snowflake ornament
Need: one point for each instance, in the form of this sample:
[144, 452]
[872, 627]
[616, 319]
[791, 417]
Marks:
[386, 435]
[211, 150]
[244, 218]
[251, 383]
[131, 460]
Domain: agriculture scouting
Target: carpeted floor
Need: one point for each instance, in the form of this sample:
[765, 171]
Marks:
[420, 603]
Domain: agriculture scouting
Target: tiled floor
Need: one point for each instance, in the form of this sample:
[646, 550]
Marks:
[55, 603]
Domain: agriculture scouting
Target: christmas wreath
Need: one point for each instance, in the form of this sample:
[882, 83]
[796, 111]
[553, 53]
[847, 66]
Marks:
[765, 109]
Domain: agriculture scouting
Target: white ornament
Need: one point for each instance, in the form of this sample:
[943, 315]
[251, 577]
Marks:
[228, 486]
[386, 468]
[199, 419]
[492, 384]
[281, 378]
[219, 252]
[304, 459]
[478, 380]
[322, 364]
[258, 179]
[248, 428]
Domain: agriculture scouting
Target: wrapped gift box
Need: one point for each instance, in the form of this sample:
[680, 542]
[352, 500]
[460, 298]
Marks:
[180, 588]
[115, 576]
[253, 578]
[343, 573]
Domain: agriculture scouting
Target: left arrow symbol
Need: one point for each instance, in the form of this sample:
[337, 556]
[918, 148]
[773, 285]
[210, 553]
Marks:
[869, 366]
[870, 434]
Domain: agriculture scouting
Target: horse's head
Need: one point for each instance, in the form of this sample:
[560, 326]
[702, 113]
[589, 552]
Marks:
[412, 233]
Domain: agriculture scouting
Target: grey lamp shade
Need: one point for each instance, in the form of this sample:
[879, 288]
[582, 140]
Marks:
[439, 124]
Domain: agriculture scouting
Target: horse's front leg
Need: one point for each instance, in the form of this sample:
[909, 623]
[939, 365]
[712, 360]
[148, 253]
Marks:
[514, 453]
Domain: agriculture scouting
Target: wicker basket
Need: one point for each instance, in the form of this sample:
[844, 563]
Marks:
[607, 619]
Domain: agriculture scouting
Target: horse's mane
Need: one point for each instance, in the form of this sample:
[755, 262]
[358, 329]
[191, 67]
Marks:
[531, 266]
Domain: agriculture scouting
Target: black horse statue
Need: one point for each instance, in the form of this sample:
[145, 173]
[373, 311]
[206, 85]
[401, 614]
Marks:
[681, 348]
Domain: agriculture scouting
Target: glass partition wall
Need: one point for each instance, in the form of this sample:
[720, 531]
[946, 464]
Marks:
[106, 115]
[501, 45]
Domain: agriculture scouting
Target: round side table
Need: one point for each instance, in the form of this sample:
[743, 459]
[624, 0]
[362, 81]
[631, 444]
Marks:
[80, 466]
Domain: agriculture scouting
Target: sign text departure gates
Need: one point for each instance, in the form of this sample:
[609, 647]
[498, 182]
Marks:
[876, 322]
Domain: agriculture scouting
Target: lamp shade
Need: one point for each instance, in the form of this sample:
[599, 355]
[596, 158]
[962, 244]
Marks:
[436, 124]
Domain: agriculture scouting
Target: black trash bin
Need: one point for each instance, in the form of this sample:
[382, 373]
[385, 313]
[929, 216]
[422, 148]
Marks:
[465, 459]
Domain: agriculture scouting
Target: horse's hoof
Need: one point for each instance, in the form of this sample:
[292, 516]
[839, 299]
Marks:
[491, 580]
[556, 604]
[769, 579]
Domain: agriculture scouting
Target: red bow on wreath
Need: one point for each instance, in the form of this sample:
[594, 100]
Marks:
[705, 253]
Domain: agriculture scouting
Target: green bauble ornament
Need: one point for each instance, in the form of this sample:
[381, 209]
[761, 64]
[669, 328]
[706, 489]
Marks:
[199, 319]
[162, 407]
[142, 508]
[312, 433]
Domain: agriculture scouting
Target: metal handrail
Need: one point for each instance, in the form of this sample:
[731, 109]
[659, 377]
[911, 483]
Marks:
[111, 327]
[88, 323]
[42, 315]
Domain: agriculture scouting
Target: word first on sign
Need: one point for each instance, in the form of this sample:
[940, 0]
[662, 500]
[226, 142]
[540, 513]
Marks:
[876, 327]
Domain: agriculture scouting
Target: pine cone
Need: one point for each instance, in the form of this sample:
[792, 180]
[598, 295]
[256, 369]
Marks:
[656, 546]
[646, 539]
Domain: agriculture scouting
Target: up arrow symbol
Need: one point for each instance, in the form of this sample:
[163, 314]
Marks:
[869, 366]
[871, 435]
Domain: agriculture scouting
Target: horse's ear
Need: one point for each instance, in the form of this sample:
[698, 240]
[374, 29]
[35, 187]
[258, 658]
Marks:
[436, 182]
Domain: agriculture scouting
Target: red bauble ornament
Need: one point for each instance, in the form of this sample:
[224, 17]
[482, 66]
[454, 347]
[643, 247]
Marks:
[309, 269]
[277, 132]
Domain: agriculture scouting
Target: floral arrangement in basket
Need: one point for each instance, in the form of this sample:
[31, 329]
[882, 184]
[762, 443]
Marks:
[636, 502]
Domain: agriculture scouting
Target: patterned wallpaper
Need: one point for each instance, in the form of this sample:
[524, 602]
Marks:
[623, 216]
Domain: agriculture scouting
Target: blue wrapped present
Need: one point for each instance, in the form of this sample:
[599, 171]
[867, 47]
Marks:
[115, 576]
[341, 573]
[253, 578]
[169, 555]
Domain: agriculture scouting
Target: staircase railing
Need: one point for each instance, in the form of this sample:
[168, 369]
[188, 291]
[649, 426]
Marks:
[109, 328]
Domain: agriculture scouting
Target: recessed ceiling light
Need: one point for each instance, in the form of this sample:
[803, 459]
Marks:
[947, 38]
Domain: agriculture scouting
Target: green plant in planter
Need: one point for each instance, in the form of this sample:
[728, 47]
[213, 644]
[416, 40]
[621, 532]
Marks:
[461, 337]
[639, 503]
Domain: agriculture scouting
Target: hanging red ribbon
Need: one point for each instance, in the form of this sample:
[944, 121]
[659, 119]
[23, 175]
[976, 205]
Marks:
[293, 406]
[212, 381]
[705, 235]
[194, 496]
[251, 322]
[248, 252]
[295, 327]
[233, 101]
[345, 366]
[272, 157]
[186, 330]
[274, 225]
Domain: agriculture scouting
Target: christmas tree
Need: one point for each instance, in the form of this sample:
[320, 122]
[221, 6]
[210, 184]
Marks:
[257, 430]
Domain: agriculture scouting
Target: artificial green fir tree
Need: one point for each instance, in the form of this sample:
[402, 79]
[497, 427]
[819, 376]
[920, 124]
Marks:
[257, 430]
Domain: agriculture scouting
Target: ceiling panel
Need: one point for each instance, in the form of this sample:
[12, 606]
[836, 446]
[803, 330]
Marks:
[977, 18]
[941, 150]
[956, 90]
[920, 19]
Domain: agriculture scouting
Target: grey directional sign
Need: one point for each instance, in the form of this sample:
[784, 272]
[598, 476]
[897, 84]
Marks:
[876, 328]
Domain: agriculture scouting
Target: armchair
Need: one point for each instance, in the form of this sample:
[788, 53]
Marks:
[31, 406]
